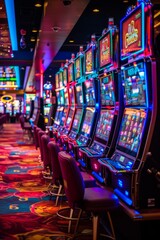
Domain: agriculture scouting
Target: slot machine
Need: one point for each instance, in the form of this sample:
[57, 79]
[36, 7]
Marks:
[72, 109]
[110, 114]
[78, 101]
[134, 166]
[68, 108]
[91, 102]
[47, 96]
[61, 111]
[37, 118]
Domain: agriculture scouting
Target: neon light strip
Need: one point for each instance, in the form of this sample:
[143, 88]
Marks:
[17, 75]
[12, 23]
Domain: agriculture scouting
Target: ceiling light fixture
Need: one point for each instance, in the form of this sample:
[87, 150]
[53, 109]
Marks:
[38, 4]
[95, 10]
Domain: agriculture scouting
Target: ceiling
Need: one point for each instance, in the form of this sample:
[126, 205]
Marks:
[58, 23]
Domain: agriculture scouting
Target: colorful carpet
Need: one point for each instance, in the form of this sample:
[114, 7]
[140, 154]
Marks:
[26, 210]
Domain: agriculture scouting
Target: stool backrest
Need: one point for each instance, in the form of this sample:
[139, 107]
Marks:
[72, 178]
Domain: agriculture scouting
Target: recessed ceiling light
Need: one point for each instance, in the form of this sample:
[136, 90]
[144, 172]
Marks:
[38, 4]
[71, 41]
[34, 30]
[95, 10]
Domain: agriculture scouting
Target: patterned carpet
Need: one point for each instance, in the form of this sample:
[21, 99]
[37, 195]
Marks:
[26, 209]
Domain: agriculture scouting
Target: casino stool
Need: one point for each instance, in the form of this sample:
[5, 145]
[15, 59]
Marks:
[35, 132]
[57, 180]
[26, 127]
[46, 157]
[56, 187]
[94, 200]
[40, 133]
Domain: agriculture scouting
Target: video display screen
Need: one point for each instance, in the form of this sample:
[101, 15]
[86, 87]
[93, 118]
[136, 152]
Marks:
[71, 95]
[60, 79]
[104, 125]
[90, 92]
[60, 97]
[78, 67]
[58, 116]
[79, 94]
[70, 72]
[89, 60]
[131, 35]
[57, 80]
[64, 115]
[105, 50]
[66, 97]
[131, 130]
[107, 90]
[88, 121]
[134, 82]
[69, 118]
[65, 76]
[77, 119]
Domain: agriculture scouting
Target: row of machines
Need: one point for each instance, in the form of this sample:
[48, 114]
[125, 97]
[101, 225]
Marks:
[108, 107]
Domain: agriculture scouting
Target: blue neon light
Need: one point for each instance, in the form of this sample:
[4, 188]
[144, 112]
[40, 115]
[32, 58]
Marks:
[99, 178]
[123, 197]
[17, 75]
[12, 23]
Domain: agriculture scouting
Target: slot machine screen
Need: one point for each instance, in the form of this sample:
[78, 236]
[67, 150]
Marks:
[70, 72]
[90, 92]
[66, 97]
[104, 126]
[107, 90]
[57, 80]
[58, 116]
[79, 94]
[70, 117]
[60, 97]
[89, 60]
[105, 50]
[63, 118]
[131, 34]
[65, 76]
[78, 67]
[77, 119]
[135, 85]
[131, 131]
[71, 95]
[88, 121]
[60, 79]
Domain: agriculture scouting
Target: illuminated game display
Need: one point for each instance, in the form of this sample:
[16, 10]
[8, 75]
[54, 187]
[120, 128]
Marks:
[132, 27]
[104, 125]
[70, 72]
[134, 80]
[79, 94]
[58, 116]
[78, 67]
[65, 76]
[105, 50]
[69, 118]
[107, 90]
[89, 60]
[77, 119]
[131, 131]
[88, 121]
[89, 92]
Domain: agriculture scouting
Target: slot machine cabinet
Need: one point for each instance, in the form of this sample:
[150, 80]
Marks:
[91, 103]
[70, 98]
[110, 112]
[62, 100]
[134, 166]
